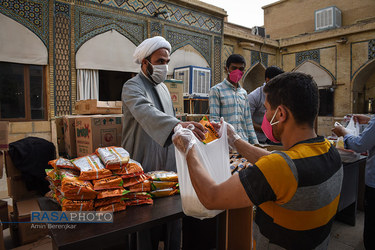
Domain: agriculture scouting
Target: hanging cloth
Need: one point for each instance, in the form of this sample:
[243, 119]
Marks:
[87, 84]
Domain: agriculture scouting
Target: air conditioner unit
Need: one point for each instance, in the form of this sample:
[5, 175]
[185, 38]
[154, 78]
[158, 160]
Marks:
[197, 80]
[259, 31]
[327, 18]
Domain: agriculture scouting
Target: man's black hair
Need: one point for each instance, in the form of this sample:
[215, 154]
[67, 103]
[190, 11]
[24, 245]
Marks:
[273, 71]
[298, 92]
[235, 58]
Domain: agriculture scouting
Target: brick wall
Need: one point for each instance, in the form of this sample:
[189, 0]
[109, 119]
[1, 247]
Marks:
[280, 19]
[20, 130]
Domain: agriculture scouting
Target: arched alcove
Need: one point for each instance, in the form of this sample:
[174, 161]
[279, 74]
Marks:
[254, 77]
[20, 45]
[185, 56]
[321, 76]
[324, 80]
[107, 51]
[363, 87]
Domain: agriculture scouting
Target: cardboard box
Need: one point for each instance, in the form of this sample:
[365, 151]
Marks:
[13, 229]
[2, 163]
[29, 232]
[59, 121]
[4, 131]
[97, 131]
[10, 169]
[16, 186]
[239, 228]
[44, 243]
[70, 135]
[4, 216]
[325, 125]
[93, 106]
[17, 189]
[2, 245]
[176, 88]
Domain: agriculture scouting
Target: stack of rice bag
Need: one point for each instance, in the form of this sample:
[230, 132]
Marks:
[163, 183]
[134, 183]
[105, 181]
[67, 189]
[237, 163]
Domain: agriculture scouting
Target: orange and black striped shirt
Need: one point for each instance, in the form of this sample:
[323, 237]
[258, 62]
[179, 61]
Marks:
[296, 193]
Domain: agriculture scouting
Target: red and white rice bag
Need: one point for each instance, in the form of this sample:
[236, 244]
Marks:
[91, 168]
[113, 157]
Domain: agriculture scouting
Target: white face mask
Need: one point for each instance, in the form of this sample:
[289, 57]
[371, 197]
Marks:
[159, 73]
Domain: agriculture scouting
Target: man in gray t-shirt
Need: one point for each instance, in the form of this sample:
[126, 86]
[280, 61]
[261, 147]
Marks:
[256, 100]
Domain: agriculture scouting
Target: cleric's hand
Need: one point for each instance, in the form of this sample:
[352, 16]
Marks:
[198, 130]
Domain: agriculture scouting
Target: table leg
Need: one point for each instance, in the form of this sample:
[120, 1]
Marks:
[348, 214]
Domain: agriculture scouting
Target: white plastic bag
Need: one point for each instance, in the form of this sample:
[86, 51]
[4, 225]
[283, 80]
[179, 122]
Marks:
[214, 157]
[353, 128]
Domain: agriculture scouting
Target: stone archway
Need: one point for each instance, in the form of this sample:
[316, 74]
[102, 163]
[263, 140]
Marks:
[363, 87]
[254, 77]
[322, 77]
[186, 56]
[107, 51]
[18, 44]
[325, 81]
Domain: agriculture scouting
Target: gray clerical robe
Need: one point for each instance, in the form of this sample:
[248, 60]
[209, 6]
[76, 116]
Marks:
[149, 120]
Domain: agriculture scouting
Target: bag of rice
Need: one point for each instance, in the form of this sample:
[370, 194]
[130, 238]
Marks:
[111, 193]
[127, 176]
[134, 180]
[91, 167]
[111, 182]
[113, 157]
[162, 175]
[164, 192]
[53, 177]
[73, 205]
[157, 185]
[139, 202]
[62, 163]
[141, 187]
[75, 189]
[68, 173]
[112, 207]
[211, 133]
[107, 201]
[136, 196]
[133, 168]
[52, 196]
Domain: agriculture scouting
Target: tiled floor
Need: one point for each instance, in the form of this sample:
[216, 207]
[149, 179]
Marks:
[346, 237]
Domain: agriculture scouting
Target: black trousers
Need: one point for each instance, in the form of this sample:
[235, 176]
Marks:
[369, 227]
[199, 234]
